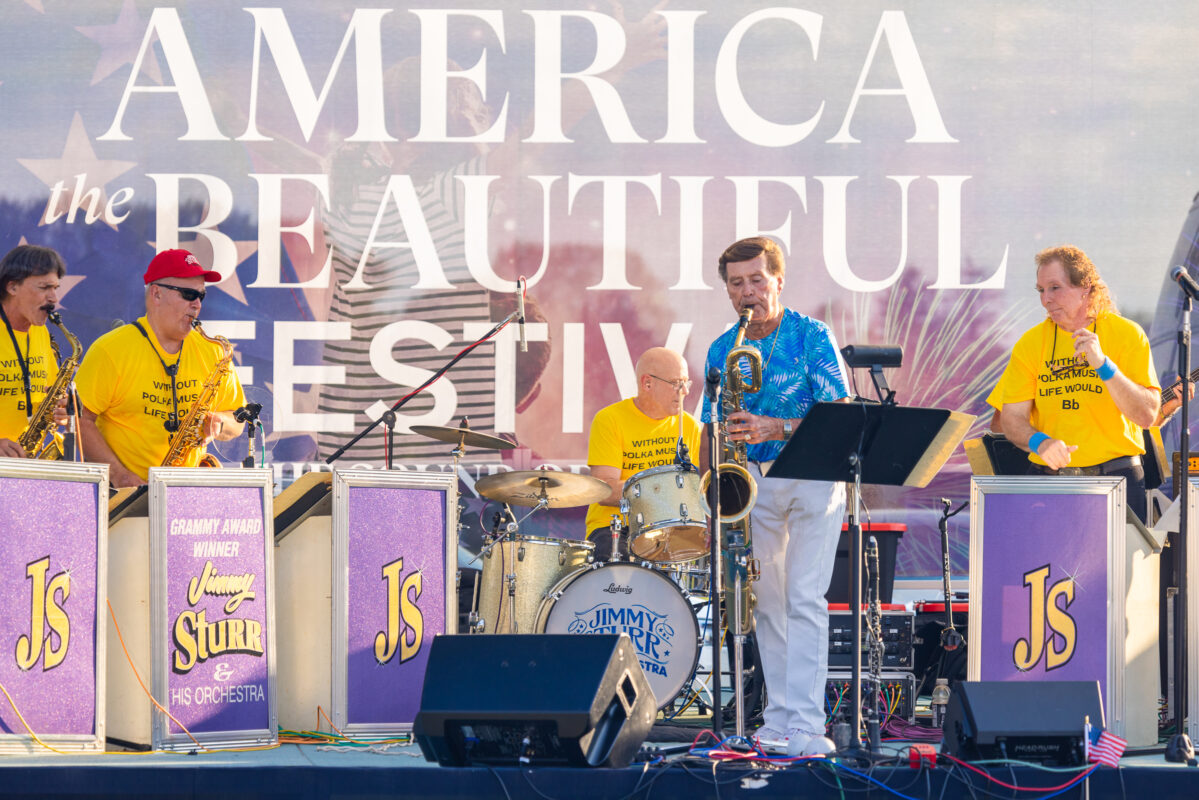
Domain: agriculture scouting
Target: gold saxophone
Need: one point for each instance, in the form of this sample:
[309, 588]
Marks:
[738, 490]
[40, 439]
[190, 434]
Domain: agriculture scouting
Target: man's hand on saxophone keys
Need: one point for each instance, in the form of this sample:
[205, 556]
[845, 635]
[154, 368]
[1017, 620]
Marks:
[10, 449]
[60, 411]
[750, 428]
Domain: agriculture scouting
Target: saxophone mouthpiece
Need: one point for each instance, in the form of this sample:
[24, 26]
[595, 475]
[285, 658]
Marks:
[195, 322]
[52, 315]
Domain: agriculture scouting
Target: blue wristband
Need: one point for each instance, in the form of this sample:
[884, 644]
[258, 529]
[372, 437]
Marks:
[1036, 440]
[1107, 370]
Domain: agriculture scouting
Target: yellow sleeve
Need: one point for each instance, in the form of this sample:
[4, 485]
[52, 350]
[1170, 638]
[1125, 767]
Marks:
[1019, 381]
[95, 381]
[604, 444]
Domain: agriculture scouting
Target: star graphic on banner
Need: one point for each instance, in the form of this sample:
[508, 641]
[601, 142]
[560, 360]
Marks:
[77, 158]
[65, 284]
[230, 284]
[36, 5]
[119, 45]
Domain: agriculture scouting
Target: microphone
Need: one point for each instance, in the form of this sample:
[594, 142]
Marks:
[248, 413]
[116, 323]
[711, 383]
[520, 312]
[1183, 278]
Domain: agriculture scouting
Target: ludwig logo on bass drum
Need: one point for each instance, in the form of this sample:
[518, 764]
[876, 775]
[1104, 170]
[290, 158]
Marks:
[616, 588]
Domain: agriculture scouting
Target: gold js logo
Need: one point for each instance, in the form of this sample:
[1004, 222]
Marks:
[1045, 613]
[45, 610]
[402, 610]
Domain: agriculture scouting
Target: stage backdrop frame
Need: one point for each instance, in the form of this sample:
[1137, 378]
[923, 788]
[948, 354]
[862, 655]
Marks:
[375, 488]
[1122, 566]
[163, 480]
[70, 472]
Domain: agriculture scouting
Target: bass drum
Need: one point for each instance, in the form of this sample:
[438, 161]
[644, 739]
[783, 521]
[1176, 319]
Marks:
[629, 598]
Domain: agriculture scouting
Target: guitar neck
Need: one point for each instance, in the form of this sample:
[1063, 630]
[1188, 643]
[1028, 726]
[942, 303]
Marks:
[1168, 392]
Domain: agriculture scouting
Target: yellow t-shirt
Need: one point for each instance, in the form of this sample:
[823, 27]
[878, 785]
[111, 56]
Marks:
[622, 436]
[43, 369]
[1074, 405]
[123, 383]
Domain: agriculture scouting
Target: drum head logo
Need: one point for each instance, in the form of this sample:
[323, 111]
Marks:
[651, 632]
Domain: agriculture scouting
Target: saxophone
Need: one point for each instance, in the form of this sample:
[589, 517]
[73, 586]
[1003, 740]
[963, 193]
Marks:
[738, 490]
[39, 438]
[190, 434]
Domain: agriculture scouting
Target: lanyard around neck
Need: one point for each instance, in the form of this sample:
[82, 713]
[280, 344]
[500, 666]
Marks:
[171, 424]
[23, 362]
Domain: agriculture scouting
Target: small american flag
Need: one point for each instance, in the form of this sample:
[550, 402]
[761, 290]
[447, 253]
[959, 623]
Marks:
[1104, 747]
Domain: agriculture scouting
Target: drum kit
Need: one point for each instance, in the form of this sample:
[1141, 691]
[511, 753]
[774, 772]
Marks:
[534, 584]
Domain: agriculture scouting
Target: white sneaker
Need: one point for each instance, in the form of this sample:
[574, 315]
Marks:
[772, 740]
[803, 743]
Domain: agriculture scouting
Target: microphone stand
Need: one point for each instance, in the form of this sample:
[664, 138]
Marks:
[404, 400]
[249, 415]
[69, 451]
[715, 609]
[1183, 492]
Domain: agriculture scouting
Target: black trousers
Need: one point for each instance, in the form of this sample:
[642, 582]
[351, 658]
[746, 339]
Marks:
[1134, 485]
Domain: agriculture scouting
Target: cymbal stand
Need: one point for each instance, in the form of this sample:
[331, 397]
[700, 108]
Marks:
[389, 421]
[616, 529]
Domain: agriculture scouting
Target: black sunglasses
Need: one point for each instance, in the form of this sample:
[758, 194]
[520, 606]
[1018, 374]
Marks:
[187, 294]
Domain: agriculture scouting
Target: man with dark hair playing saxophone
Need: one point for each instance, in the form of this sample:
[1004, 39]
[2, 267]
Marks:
[29, 281]
[138, 382]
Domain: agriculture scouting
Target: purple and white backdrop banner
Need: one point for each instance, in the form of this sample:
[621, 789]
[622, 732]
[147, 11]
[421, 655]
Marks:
[370, 181]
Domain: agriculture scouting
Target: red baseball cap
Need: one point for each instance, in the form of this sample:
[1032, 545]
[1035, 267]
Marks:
[177, 264]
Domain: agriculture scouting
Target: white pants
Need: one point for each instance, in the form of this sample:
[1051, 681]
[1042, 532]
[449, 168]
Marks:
[795, 527]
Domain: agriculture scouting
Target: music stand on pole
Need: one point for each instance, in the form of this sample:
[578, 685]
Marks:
[868, 443]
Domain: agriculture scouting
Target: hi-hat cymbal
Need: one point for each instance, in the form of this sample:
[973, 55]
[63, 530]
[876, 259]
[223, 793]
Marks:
[465, 436]
[561, 489]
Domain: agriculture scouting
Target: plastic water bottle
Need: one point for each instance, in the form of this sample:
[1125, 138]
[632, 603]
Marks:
[940, 701]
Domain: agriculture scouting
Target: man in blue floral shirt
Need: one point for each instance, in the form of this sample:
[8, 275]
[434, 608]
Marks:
[794, 524]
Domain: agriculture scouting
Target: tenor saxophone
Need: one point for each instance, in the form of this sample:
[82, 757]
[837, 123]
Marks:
[189, 437]
[39, 439]
[738, 490]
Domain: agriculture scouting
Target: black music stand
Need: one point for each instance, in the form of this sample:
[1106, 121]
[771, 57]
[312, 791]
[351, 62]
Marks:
[867, 442]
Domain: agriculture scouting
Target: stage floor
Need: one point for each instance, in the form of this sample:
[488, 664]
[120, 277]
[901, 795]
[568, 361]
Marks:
[318, 772]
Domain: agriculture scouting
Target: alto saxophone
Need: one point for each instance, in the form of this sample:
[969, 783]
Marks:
[738, 490]
[39, 438]
[190, 434]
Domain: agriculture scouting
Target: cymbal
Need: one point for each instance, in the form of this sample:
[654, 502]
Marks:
[561, 489]
[466, 436]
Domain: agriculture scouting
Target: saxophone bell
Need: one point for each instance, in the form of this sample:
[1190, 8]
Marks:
[738, 492]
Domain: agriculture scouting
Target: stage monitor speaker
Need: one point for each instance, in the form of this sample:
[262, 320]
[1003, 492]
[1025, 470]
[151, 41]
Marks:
[534, 699]
[1027, 721]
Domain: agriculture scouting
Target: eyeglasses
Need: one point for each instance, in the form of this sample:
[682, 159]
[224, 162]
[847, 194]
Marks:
[1064, 368]
[681, 385]
[187, 294]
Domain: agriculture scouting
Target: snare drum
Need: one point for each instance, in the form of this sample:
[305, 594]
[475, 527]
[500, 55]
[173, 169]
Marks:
[516, 575]
[629, 598]
[666, 515]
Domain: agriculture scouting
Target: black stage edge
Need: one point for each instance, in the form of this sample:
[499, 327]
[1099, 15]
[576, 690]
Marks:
[202, 777]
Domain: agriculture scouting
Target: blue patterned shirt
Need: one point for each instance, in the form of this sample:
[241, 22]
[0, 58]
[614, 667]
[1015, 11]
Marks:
[804, 369]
